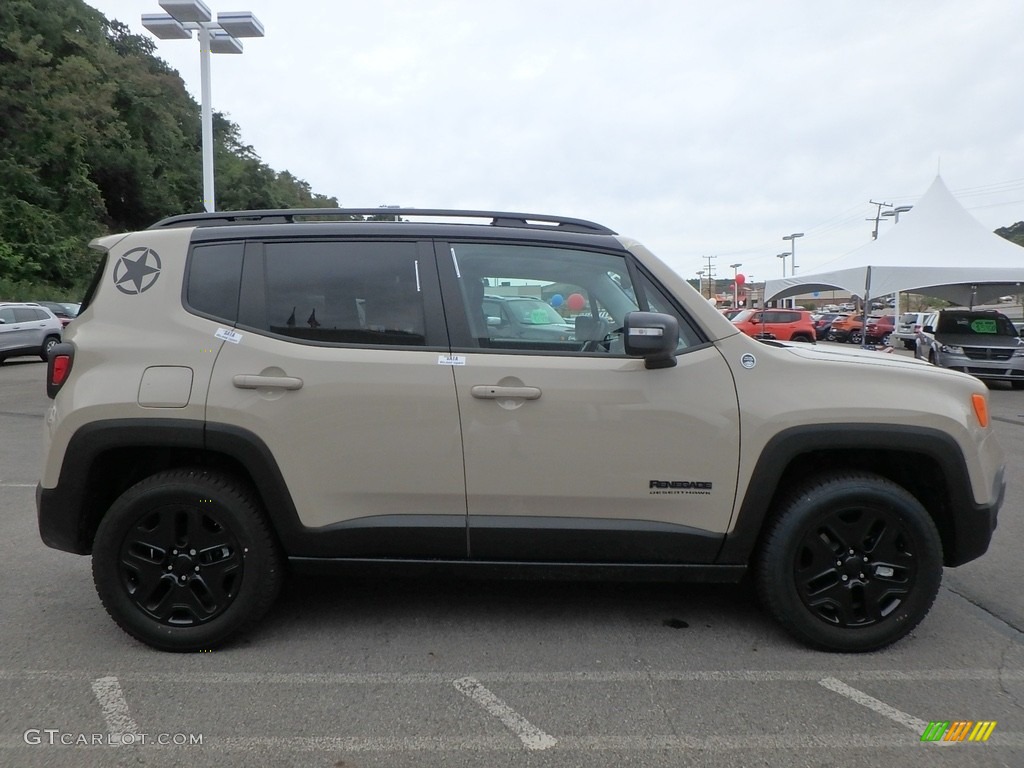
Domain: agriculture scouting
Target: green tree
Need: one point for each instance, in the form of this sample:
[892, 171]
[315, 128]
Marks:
[99, 135]
[1014, 233]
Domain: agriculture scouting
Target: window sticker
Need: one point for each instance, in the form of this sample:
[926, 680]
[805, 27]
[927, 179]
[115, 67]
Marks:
[228, 335]
[539, 317]
[984, 325]
[451, 360]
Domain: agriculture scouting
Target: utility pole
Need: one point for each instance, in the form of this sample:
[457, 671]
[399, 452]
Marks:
[877, 217]
[710, 269]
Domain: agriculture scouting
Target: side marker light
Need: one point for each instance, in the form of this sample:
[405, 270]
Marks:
[980, 403]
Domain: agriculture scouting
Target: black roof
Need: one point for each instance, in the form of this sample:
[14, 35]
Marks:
[532, 221]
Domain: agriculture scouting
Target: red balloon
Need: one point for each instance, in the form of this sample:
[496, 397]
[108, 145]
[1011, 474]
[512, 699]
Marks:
[740, 279]
[575, 302]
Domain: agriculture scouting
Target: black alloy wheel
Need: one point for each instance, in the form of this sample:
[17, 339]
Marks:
[49, 343]
[184, 559]
[852, 562]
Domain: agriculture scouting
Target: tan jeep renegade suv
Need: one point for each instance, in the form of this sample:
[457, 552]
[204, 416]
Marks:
[253, 390]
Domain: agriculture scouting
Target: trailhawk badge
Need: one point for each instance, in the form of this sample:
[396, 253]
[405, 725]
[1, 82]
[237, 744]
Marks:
[672, 487]
[136, 271]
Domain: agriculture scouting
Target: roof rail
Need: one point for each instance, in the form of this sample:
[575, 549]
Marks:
[293, 215]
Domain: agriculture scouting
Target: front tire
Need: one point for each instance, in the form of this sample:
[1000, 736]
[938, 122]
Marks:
[184, 559]
[851, 563]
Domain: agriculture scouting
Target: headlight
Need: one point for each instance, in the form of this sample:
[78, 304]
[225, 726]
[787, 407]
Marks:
[952, 349]
[1018, 353]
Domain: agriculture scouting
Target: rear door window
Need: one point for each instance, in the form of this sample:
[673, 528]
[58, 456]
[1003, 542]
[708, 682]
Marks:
[344, 292]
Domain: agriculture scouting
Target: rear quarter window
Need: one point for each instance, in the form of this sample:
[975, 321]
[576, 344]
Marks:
[214, 278]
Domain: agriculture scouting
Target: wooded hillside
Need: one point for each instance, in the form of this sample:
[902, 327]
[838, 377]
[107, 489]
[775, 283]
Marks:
[98, 135]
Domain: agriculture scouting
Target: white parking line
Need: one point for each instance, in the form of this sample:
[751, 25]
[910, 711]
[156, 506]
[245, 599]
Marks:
[531, 736]
[16, 485]
[115, 709]
[872, 703]
[597, 676]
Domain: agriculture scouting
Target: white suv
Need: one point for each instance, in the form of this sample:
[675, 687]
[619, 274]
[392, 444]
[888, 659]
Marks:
[248, 390]
[27, 329]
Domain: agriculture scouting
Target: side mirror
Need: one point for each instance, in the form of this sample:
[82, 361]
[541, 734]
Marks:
[927, 329]
[493, 322]
[653, 336]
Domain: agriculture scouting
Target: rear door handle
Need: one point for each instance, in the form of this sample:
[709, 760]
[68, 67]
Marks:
[255, 381]
[494, 392]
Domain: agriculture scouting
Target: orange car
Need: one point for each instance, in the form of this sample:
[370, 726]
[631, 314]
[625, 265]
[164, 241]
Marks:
[781, 324]
[846, 328]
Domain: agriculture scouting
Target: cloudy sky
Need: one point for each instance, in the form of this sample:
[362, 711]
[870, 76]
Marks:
[699, 128]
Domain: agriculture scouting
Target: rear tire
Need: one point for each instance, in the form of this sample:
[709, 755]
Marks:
[48, 343]
[851, 563]
[855, 337]
[184, 559]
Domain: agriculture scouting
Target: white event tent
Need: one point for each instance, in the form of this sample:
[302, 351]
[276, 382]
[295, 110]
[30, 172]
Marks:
[937, 249]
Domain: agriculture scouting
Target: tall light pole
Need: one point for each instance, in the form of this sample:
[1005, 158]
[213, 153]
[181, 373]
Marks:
[792, 262]
[735, 285]
[700, 281]
[792, 248]
[783, 256]
[184, 17]
[895, 213]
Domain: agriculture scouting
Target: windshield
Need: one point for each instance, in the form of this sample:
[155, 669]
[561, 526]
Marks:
[976, 325]
[743, 316]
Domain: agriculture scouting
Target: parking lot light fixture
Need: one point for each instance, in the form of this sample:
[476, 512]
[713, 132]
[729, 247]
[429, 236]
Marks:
[895, 212]
[735, 285]
[783, 256]
[184, 17]
[792, 250]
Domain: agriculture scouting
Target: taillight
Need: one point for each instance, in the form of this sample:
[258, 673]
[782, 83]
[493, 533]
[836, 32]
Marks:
[61, 366]
[58, 367]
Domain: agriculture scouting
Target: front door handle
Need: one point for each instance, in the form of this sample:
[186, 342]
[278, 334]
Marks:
[255, 381]
[495, 392]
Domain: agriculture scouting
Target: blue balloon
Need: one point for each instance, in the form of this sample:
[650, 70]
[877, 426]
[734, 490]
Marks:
[557, 300]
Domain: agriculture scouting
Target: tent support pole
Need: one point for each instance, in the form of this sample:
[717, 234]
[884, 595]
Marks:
[864, 310]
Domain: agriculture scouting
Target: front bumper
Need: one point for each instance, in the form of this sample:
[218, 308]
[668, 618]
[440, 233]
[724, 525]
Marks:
[975, 525]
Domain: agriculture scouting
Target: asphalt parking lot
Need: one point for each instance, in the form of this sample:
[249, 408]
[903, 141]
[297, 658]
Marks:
[362, 671]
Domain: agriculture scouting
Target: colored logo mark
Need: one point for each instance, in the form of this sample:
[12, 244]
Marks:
[958, 730]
